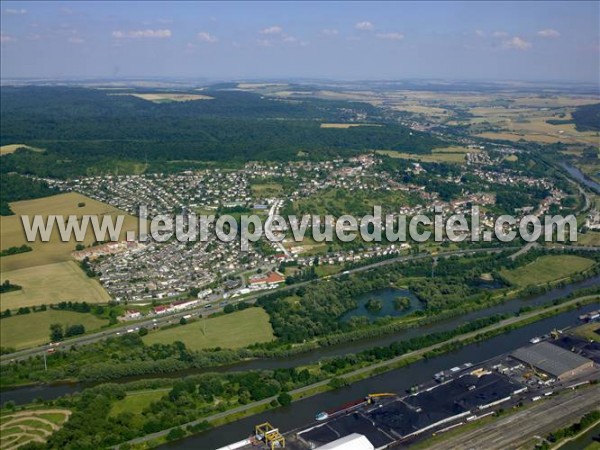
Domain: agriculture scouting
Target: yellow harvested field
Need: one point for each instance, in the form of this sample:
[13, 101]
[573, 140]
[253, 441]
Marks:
[13, 235]
[51, 283]
[11, 148]
[348, 125]
[170, 97]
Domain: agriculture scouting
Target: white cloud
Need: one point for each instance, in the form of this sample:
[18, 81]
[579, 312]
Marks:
[500, 34]
[365, 25]
[15, 12]
[548, 33]
[76, 40]
[138, 34]
[6, 38]
[264, 42]
[394, 36]
[516, 43]
[289, 39]
[330, 32]
[272, 30]
[207, 37]
[480, 33]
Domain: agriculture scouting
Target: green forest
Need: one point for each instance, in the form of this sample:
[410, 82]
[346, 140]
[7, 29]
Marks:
[87, 131]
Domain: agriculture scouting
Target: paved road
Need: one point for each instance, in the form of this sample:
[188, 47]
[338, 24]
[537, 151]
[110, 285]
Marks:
[364, 370]
[518, 429]
[201, 311]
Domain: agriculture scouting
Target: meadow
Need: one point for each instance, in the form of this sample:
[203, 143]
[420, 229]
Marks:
[261, 190]
[30, 426]
[456, 155]
[51, 283]
[136, 401]
[591, 239]
[234, 330]
[30, 330]
[547, 268]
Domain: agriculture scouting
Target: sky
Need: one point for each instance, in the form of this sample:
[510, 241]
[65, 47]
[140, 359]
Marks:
[529, 41]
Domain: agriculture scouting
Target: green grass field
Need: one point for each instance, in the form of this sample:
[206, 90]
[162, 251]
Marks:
[438, 155]
[547, 268]
[234, 330]
[33, 329]
[588, 331]
[266, 189]
[336, 201]
[591, 238]
[135, 402]
[324, 270]
[20, 428]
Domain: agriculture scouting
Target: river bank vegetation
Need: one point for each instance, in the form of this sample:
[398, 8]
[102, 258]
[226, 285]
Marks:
[302, 320]
[181, 404]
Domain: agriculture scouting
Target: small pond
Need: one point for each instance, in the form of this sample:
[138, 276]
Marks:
[386, 297]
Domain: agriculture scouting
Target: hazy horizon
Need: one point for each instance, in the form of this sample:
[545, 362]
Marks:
[483, 41]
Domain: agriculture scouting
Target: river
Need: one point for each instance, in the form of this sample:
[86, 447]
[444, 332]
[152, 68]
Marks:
[303, 411]
[28, 394]
[581, 177]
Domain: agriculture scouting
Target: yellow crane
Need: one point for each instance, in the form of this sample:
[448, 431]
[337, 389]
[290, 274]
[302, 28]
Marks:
[271, 435]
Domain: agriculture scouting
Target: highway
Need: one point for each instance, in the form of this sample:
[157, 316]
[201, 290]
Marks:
[202, 311]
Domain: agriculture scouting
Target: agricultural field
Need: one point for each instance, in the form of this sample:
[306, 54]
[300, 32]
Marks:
[51, 283]
[348, 125]
[30, 426]
[11, 148]
[53, 251]
[512, 116]
[235, 330]
[169, 97]
[30, 330]
[530, 124]
[547, 268]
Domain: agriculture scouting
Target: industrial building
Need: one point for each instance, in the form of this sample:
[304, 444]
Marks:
[553, 360]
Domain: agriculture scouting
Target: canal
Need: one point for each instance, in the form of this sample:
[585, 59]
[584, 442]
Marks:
[28, 394]
[303, 411]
